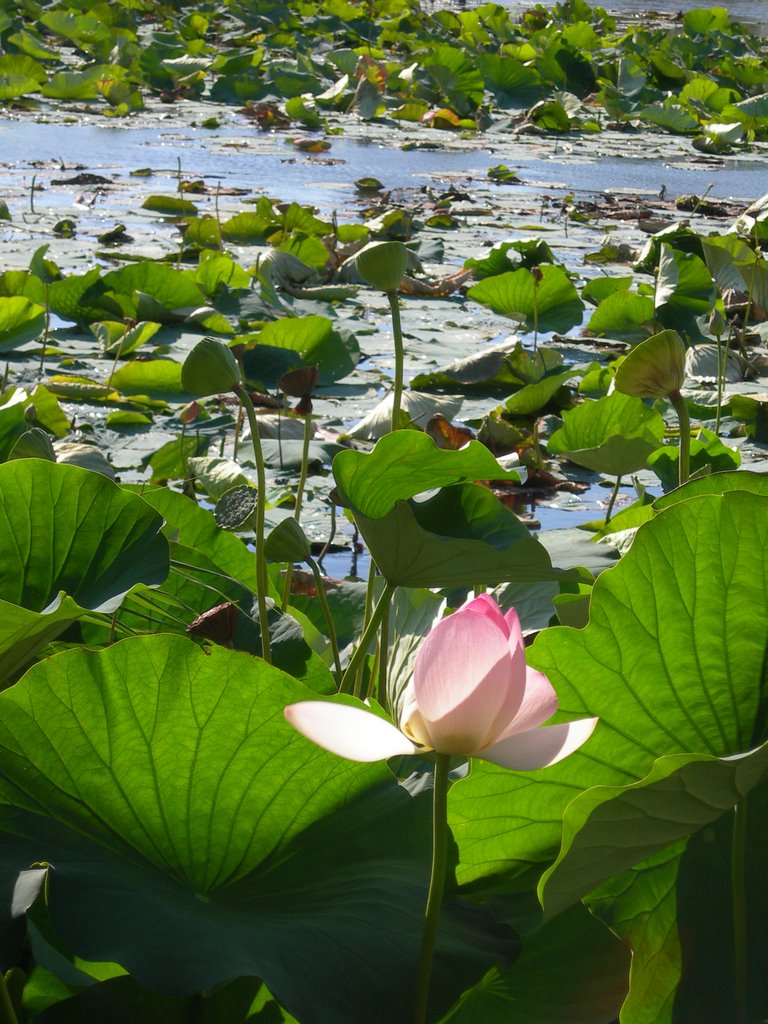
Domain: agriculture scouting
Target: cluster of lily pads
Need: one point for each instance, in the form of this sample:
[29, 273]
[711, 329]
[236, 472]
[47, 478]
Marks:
[562, 70]
[171, 847]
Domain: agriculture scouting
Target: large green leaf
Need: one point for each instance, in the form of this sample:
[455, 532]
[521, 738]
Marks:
[552, 304]
[67, 529]
[194, 836]
[314, 340]
[21, 320]
[462, 536]
[681, 794]
[572, 969]
[623, 314]
[70, 541]
[613, 435]
[458, 537]
[684, 288]
[534, 397]
[683, 963]
[405, 463]
[24, 632]
[672, 661]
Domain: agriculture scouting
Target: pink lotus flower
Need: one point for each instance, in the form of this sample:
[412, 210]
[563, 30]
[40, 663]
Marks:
[471, 694]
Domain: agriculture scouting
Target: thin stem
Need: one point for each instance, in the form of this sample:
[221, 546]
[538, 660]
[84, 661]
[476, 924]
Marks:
[721, 365]
[7, 1012]
[328, 617]
[381, 680]
[262, 578]
[46, 329]
[436, 885]
[370, 594]
[612, 502]
[368, 634]
[397, 334]
[299, 498]
[684, 422]
[739, 899]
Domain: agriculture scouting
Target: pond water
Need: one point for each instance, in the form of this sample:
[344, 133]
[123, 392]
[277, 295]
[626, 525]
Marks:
[750, 11]
[243, 159]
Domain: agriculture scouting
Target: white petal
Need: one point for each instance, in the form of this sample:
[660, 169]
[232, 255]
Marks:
[539, 748]
[348, 731]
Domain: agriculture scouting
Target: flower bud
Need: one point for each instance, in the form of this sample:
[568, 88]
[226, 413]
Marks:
[209, 369]
[287, 542]
[653, 369]
[382, 264]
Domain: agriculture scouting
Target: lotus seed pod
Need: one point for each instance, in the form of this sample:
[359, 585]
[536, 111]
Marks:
[655, 368]
[382, 264]
[209, 369]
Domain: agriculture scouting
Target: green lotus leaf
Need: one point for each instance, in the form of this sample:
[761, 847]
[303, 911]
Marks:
[613, 435]
[622, 314]
[21, 320]
[193, 835]
[309, 340]
[68, 535]
[681, 794]
[552, 304]
[460, 537]
[405, 463]
[672, 662]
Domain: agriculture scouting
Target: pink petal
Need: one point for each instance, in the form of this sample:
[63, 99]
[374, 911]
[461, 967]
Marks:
[539, 748]
[515, 630]
[461, 678]
[516, 682]
[539, 703]
[484, 604]
[348, 731]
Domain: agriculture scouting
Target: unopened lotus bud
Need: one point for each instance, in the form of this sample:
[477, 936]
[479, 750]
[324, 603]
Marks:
[30, 413]
[717, 324]
[190, 412]
[537, 274]
[655, 368]
[287, 542]
[382, 264]
[209, 369]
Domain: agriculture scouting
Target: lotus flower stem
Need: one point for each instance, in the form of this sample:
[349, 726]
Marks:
[612, 501]
[7, 1012]
[262, 578]
[299, 498]
[328, 617]
[381, 676]
[436, 885]
[397, 334]
[367, 612]
[684, 422]
[368, 634]
[739, 899]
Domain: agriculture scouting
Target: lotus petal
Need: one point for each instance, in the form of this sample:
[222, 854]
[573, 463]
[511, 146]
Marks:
[539, 748]
[348, 731]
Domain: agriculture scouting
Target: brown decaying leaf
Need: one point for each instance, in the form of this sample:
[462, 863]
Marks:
[217, 624]
[446, 435]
